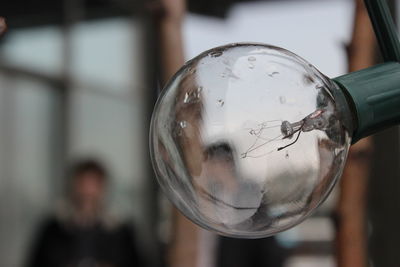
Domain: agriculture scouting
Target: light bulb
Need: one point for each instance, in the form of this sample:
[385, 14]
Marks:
[248, 139]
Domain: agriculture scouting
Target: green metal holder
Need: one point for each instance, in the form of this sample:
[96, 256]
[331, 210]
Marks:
[374, 93]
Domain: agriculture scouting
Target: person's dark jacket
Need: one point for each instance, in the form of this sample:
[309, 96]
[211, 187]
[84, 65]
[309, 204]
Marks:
[59, 244]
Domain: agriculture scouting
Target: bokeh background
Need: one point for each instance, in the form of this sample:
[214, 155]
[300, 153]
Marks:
[79, 78]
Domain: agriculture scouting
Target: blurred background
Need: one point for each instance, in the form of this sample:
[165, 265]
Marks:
[79, 78]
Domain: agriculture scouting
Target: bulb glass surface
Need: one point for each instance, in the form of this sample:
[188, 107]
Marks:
[247, 139]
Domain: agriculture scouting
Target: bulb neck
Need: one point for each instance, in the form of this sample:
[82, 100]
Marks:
[373, 95]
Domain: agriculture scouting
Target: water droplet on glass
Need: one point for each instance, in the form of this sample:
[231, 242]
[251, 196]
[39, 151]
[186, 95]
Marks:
[216, 54]
[178, 131]
[220, 102]
[251, 58]
[282, 99]
[251, 66]
[186, 98]
[183, 124]
[272, 74]
[193, 96]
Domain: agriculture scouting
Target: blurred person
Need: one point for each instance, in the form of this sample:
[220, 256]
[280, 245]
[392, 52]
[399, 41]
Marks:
[265, 252]
[81, 233]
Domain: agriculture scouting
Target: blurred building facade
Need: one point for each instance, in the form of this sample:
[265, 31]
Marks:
[76, 81]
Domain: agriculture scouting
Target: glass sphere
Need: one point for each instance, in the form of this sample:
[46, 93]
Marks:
[248, 139]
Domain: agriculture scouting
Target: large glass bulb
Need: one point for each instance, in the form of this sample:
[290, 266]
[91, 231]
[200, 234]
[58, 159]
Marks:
[248, 139]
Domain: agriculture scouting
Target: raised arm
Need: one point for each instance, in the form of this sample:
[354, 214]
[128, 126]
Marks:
[169, 19]
[183, 246]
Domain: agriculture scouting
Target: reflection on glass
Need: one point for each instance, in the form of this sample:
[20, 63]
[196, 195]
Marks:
[247, 140]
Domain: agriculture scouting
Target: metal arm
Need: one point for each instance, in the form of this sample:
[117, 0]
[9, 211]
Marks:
[385, 29]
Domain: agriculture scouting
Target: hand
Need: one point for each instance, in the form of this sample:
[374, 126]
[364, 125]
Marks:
[171, 10]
